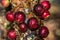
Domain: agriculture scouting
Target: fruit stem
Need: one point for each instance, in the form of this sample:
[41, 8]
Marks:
[38, 1]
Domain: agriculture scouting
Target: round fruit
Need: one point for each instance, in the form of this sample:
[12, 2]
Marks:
[45, 15]
[5, 3]
[33, 23]
[43, 32]
[11, 34]
[46, 4]
[38, 9]
[10, 16]
[22, 27]
[19, 17]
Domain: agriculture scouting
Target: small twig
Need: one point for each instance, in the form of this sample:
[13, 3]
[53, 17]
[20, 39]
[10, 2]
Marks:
[38, 1]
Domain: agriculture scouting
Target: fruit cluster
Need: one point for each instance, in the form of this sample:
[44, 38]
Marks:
[40, 10]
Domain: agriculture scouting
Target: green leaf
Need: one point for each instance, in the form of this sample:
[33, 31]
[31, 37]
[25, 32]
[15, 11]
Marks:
[7, 27]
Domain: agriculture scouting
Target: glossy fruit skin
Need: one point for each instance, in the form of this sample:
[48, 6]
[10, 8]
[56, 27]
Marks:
[11, 34]
[20, 17]
[43, 32]
[10, 16]
[32, 23]
[46, 5]
[45, 15]
[38, 9]
[5, 3]
[23, 27]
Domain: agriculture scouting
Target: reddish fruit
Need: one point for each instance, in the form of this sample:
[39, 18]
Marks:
[38, 9]
[46, 4]
[12, 34]
[45, 15]
[22, 27]
[33, 23]
[5, 3]
[19, 17]
[10, 16]
[43, 32]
